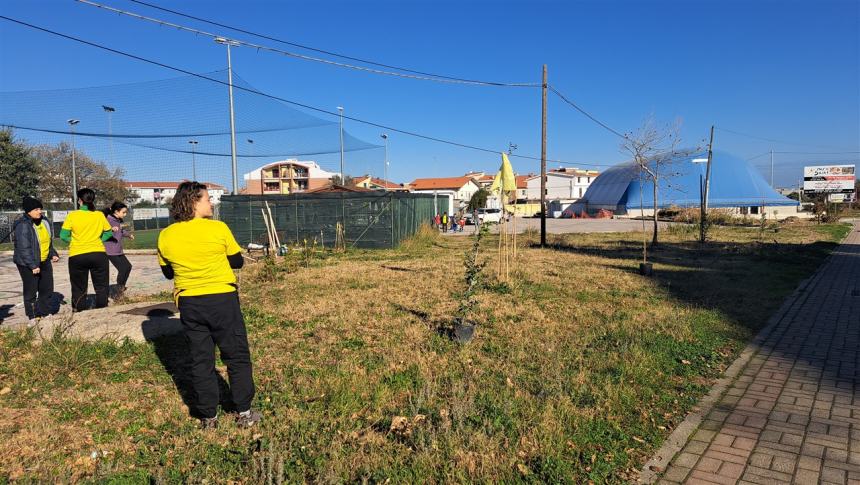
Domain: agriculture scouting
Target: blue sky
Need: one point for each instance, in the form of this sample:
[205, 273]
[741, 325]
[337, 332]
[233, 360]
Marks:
[786, 70]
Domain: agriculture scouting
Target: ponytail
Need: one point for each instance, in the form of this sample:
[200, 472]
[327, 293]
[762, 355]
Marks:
[114, 208]
[87, 198]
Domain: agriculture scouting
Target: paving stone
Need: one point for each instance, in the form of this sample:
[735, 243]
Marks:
[793, 413]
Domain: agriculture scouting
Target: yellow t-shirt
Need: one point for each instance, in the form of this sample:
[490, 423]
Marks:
[86, 228]
[197, 250]
[44, 240]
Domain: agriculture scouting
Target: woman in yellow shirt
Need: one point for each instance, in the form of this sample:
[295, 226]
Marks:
[86, 230]
[199, 255]
[34, 253]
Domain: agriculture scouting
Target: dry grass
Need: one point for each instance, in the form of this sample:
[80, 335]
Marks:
[578, 371]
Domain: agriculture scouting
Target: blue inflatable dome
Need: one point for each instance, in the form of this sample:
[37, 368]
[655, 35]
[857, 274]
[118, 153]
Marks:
[734, 183]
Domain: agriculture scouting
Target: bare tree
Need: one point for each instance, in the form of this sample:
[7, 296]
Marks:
[653, 147]
[55, 185]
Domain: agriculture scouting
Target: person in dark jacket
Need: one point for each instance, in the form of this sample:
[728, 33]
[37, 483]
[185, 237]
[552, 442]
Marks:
[34, 254]
[113, 246]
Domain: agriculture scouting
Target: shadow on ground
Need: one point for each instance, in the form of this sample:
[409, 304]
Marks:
[163, 329]
[730, 278]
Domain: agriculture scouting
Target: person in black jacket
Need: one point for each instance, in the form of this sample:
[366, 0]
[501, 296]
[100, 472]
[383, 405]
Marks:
[34, 253]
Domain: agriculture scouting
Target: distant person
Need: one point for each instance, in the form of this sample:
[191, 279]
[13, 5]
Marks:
[199, 255]
[86, 230]
[437, 221]
[113, 246]
[33, 255]
[462, 222]
[445, 221]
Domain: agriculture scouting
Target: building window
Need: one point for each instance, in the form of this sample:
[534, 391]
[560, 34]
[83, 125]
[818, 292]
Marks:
[271, 186]
[579, 180]
[580, 191]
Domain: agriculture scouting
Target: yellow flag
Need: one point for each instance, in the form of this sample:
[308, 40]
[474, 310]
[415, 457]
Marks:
[509, 181]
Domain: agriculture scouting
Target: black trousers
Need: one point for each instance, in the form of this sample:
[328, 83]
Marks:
[211, 320]
[123, 268]
[81, 266]
[38, 289]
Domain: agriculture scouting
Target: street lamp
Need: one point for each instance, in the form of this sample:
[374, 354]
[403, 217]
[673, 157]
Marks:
[72, 122]
[110, 110]
[385, 179]
[342, 178]
[229, 43]
[193, 144]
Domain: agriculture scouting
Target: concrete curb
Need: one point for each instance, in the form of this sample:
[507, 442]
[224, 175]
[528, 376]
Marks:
[654, 468]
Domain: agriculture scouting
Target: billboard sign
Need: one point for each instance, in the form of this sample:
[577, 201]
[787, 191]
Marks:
[829, 179]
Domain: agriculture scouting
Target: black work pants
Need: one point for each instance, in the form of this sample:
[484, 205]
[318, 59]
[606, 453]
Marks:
[211, 320]
[94, 265]
[38, 289]
[123, 268]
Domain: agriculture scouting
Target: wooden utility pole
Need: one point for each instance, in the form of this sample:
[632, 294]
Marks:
[543, 163]
[704, 215]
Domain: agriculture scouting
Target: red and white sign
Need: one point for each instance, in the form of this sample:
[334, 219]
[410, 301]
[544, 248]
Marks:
[829, 179]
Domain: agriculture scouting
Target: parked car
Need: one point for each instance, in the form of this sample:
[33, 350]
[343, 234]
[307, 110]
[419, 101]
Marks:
[491, 215]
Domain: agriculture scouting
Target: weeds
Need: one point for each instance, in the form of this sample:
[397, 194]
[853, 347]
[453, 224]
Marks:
[580, 371]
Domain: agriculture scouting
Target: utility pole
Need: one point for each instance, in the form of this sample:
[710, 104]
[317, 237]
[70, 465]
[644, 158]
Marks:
[72, 123]
[543, 162]
[228, 43]
[704, 215]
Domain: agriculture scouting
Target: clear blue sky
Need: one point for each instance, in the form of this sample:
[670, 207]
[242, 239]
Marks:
[786, 70]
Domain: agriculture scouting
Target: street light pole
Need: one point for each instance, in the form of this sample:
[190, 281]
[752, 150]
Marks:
[342, 176]
[228, 43]
[72, 123]
[771, 168]
[110, 110]
[193, 144]
[385, 172]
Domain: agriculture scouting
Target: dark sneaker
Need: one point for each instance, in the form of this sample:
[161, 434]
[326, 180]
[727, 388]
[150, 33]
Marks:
[209, 423]
[248, 418]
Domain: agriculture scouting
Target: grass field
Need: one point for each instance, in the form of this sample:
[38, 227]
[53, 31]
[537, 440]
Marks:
[579, 370]
[144, 239]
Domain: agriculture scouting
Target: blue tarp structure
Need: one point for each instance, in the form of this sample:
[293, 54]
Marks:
[734, 183]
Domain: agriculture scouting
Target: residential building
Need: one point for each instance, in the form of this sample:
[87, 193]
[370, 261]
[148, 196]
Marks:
[561, 184]
[373, 183]
[162, 191]
[458, 189]
[286, 177]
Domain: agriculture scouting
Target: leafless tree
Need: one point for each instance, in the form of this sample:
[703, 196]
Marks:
[654, 147]
[55, 184]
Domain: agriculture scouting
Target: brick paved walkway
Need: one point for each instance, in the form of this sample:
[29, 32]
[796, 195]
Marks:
[793, 415]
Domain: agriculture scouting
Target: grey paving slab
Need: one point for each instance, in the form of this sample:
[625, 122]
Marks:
[793, 415]
[145, 279]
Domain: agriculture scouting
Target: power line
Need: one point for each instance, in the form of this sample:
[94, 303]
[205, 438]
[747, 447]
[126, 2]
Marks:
[726, 130]
[314, 49]
[278, 98]
[586, 113]
[259, 47]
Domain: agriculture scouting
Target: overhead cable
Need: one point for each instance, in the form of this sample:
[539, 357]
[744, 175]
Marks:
[278, 98]
[586, 113]
[726, 130]
[296, 55]
[314, 49]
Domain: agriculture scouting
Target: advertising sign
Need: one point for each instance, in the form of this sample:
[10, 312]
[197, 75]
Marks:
[829, 179]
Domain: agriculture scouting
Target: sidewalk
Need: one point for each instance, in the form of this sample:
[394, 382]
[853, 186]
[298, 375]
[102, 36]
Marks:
[793, 413]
